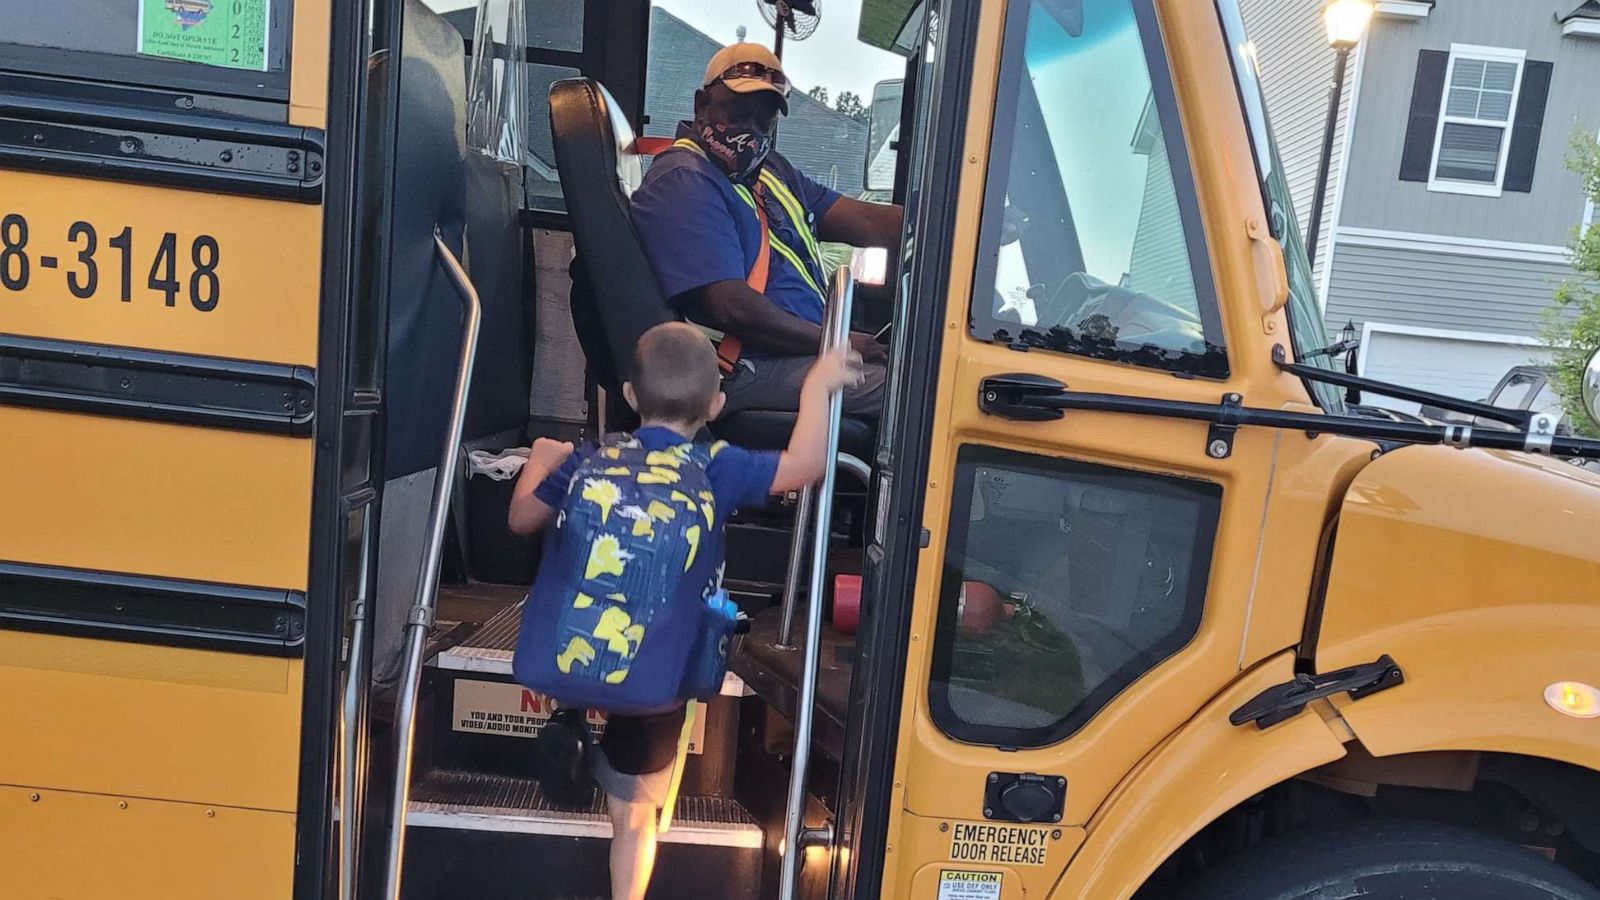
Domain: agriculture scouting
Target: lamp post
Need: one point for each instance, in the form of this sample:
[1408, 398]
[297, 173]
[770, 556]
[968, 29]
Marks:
[1346, 21]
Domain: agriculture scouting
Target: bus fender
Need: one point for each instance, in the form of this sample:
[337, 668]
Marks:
[1201, 771]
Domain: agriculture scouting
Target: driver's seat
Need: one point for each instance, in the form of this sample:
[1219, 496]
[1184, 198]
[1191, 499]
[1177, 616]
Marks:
[615, 296]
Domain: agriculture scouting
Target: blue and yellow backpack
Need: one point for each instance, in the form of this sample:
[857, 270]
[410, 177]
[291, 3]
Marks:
[617, 613]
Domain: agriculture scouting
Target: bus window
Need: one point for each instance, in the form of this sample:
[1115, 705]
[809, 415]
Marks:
[555, 50]
[1091, 240]
[1098, 574]
[235, 47]
[555, 25]
[544, 184]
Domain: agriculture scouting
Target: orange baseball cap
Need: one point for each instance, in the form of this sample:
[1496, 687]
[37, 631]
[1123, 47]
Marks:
[746, 68]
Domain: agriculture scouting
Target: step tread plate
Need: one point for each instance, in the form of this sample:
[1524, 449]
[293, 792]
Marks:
[470, 801]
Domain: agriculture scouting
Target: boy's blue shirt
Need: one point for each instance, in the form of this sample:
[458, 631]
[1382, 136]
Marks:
[739, 477]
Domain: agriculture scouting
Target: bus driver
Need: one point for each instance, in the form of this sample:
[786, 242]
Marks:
[731, 229]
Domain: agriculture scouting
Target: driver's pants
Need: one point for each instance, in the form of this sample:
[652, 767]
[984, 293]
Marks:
[774, 383]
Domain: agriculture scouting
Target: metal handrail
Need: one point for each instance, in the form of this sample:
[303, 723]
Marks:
[350, 777]
[420, 617]
[835, 331]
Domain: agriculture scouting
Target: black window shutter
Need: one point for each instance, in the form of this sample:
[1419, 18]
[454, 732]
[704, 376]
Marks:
[1416, 160]
[1529, 122]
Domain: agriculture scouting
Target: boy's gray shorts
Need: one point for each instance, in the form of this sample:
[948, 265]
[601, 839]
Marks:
[651, 787]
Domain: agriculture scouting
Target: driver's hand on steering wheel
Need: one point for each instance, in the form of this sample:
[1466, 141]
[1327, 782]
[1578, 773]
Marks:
[871, 351]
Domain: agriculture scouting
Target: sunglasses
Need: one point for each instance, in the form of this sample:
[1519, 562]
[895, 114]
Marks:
[757, 71]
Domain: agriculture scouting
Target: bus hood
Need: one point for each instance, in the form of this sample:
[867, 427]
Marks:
[1429, 537]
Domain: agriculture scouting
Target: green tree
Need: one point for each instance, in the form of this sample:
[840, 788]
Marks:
[819, 94]
[849, 103]
[1572, 326]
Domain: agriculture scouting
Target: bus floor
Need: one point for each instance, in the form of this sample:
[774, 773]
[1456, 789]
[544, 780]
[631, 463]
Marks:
[480, 826]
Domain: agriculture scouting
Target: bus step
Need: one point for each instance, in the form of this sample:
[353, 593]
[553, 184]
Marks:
[485, 837]
[471, 801]
[489, 648]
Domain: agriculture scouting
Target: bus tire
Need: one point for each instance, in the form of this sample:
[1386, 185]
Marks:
[1391, 860]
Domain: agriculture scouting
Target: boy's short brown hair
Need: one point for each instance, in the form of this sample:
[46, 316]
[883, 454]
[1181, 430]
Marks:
[675, 377]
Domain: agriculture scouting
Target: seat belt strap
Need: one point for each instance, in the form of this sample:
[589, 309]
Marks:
[729, 347]
[650, 146]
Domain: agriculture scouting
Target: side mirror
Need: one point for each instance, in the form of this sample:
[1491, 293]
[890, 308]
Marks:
[1591, 388]
[883, 133]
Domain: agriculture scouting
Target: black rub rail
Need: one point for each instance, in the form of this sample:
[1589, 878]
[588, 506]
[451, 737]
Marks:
[149, 610]
[176, 149]
[165, 387]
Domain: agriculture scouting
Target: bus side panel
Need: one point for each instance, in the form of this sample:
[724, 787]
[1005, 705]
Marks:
[155, 499]
[135, 720]
[122, 246]
[56, 844]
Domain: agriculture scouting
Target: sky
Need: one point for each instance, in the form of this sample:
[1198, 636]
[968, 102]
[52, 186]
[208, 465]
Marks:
[832, 57]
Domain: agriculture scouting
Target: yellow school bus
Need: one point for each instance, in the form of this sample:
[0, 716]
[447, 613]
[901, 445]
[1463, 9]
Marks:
[1128, 594]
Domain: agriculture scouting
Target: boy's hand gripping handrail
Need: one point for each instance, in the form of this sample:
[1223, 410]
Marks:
[835, 332]
[420, 618]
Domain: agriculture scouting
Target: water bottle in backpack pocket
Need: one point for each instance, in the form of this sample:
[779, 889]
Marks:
[708, 663]
[614, 616]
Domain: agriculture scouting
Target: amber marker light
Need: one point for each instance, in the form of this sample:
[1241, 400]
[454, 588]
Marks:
[1574, 698]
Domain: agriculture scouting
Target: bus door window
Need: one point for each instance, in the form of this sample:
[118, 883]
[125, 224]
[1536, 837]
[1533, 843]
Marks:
[1063, 582]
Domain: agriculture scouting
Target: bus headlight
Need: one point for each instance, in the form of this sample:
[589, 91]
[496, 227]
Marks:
[1574, 698]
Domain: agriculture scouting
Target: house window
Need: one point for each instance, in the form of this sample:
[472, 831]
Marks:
[1475, 120]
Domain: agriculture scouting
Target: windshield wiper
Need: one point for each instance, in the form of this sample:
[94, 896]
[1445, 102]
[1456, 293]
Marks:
[1337, 348]
[1517, 418]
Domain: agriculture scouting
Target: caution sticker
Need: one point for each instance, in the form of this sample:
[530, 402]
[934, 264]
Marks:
[1011, 845]
[962, 884]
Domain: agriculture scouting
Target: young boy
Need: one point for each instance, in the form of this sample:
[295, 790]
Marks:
[676, 390]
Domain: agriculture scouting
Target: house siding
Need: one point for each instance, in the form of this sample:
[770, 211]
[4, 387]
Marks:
[1374, 195]
[1296, 76]
[1159, 263]
[829, 146]
[1440, 290]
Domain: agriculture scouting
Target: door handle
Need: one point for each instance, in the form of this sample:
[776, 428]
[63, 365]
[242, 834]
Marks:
[1021, 397]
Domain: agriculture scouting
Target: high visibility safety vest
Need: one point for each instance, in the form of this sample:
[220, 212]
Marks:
[767, 184]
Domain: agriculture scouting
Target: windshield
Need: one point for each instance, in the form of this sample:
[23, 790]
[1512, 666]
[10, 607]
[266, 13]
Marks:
[1091, 240]
[1306, 330]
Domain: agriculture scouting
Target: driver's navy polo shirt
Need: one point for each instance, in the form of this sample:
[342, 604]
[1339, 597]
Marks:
[696, 230]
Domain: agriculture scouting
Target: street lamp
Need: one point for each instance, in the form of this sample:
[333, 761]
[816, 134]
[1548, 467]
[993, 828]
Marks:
[1346, 21]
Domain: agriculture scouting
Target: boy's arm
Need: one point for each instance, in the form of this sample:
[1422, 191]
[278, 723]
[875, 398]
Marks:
[528, 513]
[807, 455]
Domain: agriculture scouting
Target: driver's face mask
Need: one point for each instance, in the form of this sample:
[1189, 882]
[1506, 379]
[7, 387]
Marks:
[739, 150]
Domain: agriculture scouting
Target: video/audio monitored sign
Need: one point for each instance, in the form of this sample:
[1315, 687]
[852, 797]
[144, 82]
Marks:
[510, 710]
